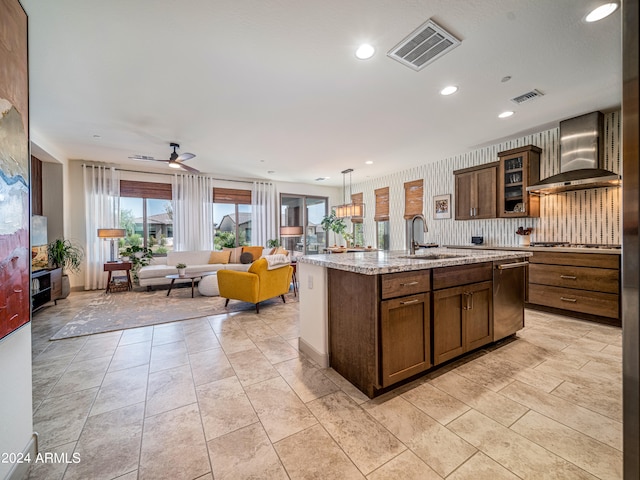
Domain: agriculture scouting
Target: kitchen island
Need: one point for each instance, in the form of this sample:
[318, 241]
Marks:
[379, 318]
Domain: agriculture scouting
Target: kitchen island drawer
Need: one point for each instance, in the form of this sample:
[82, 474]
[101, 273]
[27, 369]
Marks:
[446, 277]
[583, 278]
[405, 283]
[594, 303]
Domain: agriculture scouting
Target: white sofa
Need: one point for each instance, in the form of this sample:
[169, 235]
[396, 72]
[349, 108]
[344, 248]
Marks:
[196, 261]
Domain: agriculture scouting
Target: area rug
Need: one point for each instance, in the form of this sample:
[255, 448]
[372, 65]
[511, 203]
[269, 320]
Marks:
[119, 311]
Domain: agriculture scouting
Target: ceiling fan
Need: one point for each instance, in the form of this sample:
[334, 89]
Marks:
[174, 161]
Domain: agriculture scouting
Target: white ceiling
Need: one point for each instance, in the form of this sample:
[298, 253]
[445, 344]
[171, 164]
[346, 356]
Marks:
[252, 86]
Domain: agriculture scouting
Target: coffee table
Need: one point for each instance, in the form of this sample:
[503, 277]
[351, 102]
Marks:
[191, 276]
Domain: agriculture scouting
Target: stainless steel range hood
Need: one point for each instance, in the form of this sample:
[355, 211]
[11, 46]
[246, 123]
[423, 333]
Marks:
[581, 157]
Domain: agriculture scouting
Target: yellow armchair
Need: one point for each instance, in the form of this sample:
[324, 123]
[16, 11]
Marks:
[255, 285]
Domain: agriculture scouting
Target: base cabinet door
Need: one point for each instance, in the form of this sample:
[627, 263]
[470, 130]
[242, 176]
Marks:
[448, 330]
[463, 320]
[478, 316]
[405, 336]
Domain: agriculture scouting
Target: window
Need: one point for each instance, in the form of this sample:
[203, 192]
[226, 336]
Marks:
[146, 214]
[231, 217]
[357, 224]
[382, 218]
[306, 213]
[382, 237]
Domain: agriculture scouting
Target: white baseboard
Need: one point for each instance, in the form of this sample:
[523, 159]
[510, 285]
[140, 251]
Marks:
[20, 471]
[321, 359]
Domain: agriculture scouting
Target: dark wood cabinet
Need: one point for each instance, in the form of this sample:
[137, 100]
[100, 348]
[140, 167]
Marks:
[582, 283]
[387, 328]
[462, 320]
[379, 327]
[462, 310]
[519, 168]
[405, 335]
[475, 196]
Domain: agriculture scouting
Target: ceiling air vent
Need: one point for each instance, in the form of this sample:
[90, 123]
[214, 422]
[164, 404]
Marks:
[526, 97]
[424, 45]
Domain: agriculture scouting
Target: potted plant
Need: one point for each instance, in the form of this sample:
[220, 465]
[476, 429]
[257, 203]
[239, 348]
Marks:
[273, 243]
[524, 236]
[337, 225]
[182, 269]
[68, 256]
[138, 256]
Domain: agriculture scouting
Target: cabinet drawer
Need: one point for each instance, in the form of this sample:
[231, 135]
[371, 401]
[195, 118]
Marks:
[594, 303]
[446, 277]
[599, 260]
[583, 278]
[405, 283]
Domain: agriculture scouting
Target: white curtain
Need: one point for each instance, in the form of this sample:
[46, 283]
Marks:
[102, 210]
[264, 213]
[192, 212]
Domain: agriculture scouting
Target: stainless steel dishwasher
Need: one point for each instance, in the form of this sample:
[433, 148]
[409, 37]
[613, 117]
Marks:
[508, 297]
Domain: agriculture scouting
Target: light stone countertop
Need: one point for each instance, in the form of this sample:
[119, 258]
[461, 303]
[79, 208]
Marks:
[608, 251]
[374, 263]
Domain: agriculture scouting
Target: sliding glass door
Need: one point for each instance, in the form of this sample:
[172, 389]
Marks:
[300, 229]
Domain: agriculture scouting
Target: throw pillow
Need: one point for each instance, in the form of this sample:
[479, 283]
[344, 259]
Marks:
[220, 257]
[235, 254]
[246, 257]
[280, 251]
[256, 252]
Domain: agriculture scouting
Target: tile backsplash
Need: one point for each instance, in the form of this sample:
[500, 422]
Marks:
[583, 216]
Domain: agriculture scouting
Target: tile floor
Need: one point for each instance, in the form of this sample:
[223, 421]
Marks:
[230, 397]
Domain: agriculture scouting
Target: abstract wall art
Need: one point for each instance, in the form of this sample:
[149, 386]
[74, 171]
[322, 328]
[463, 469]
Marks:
[15, 252]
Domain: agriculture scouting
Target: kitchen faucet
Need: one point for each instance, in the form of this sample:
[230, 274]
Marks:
[413, 244]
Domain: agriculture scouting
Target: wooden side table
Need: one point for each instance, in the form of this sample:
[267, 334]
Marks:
[118, 267]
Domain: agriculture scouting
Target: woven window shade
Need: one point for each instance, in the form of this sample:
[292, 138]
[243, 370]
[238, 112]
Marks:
[382, 204]
[232, 195]
[356, 199]
[130, 188]
[413, 198]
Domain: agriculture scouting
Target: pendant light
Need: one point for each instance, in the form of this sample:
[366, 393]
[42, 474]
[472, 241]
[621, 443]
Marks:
[348, 209]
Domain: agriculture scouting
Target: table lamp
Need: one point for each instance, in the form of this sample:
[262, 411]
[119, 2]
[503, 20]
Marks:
[112, 234]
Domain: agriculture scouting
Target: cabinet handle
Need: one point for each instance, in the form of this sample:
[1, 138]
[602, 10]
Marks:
[471, 212]
[415, 300]
[568, 277]
[410, 284]
[469, 301]
[565, 299]
[506, 266]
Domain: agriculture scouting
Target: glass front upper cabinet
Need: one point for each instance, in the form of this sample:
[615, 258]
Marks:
[519, 168]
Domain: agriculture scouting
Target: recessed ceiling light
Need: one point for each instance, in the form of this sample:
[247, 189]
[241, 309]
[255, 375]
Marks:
[96, 136]
[506, 114]
[601, 12]
[365, 51]
[369, 162]
[271, 172]
[506, 78]
[449, 90]
[321, 179]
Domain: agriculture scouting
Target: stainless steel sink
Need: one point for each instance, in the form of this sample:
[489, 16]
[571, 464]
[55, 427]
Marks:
[431, 256]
